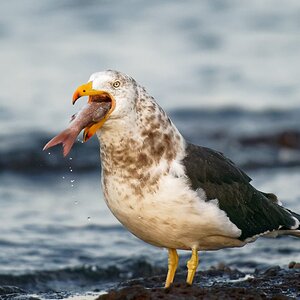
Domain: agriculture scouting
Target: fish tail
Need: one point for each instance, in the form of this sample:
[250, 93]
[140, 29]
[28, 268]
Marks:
[66, 138]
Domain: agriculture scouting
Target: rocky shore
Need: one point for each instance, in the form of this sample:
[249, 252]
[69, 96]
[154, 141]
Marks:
[216, 283]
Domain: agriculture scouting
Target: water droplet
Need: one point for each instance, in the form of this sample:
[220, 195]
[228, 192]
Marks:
[70, 158]
[89, 218]
[72, 180]
[76, 202]
[63, 177]
[72, 185]
[49, 153]
[140, 217]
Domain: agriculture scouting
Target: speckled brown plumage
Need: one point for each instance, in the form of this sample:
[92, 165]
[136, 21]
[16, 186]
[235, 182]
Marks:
[155, 139]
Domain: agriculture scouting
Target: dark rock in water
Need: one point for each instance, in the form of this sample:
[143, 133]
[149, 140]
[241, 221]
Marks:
[273, 271]
[217, 283]
[286, 139]
[294, 265]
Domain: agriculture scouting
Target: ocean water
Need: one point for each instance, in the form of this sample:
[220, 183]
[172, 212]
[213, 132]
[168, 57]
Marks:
[226, 72]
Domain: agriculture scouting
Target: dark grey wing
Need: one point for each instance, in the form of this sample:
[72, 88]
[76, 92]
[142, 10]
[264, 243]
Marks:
[249, 209]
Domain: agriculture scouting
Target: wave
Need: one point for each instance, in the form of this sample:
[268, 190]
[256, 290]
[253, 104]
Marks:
[77, 279]
[252, 139]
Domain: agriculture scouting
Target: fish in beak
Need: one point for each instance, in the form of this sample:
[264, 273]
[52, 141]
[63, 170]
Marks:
[91, 117]
[94, 96]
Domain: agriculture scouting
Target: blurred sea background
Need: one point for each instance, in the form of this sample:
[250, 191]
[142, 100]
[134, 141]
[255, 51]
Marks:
[227, 72]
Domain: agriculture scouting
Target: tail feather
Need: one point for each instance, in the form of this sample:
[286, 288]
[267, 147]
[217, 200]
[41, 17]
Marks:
[295, 231]
[297, 219]
[66, 138]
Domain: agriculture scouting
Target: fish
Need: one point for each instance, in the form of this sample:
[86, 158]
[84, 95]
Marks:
[91, 113]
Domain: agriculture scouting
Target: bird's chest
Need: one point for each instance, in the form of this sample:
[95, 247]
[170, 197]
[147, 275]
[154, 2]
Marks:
[128, 199]
[153, 214]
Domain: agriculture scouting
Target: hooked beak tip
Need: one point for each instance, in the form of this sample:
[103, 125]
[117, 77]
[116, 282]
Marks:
[76, 96]
[83, 90]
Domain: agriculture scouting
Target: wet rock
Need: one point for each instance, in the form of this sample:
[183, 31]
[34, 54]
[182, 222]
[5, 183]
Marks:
[216, 283]
[294, 265]
[273, 271]
[181, 291]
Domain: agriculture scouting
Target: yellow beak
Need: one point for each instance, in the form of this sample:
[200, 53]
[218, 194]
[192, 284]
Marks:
[87, 90]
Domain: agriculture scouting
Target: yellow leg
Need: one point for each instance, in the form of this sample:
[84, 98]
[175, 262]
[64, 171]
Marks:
[172, 266]
[192, 265]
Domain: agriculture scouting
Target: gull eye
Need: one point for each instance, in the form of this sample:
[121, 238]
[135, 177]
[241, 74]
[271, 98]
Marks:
[116, 84]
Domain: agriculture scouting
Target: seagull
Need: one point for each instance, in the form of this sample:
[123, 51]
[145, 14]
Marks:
[167, 191]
